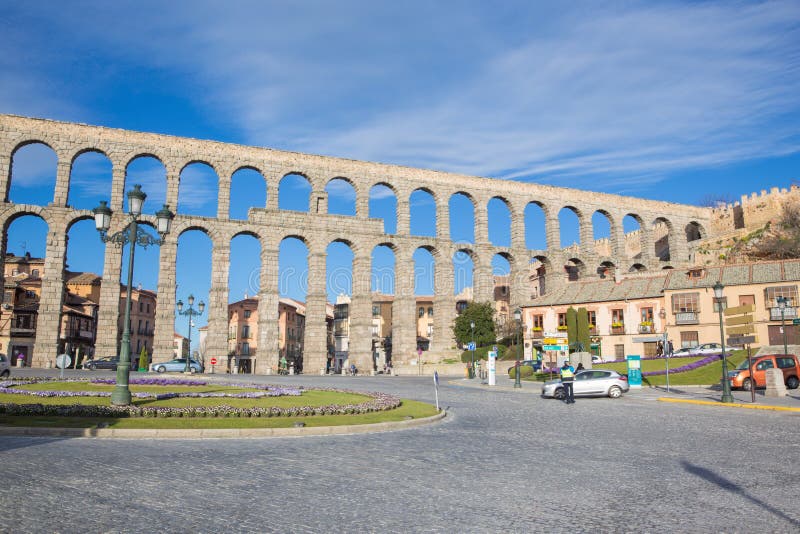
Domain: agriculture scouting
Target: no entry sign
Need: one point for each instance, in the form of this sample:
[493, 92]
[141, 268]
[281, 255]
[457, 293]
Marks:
[213, 361]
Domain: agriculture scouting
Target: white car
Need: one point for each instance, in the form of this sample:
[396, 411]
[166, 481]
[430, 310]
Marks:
[5, 366]
[708, 348]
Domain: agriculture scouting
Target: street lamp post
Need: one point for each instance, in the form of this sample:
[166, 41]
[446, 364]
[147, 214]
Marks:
[518, 319]
[783, 303]
[190, 312]
[472, 365]
[133, 234]
[726, 384]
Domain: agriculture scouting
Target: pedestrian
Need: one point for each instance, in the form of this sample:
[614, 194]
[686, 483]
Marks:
[669, 348]
[567, 377]
[580, 367]
[659, 349]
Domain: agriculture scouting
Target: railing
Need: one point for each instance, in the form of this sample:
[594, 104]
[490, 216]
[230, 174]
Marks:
[617, 330]
[686, 318]
[537, 334]
[16, 331]
[788, 313]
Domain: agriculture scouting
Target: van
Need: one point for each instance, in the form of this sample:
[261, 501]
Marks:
[742, 377]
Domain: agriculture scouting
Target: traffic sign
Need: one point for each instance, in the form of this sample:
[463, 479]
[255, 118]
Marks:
[741, 330]
[743, 319]
[738, 341]
[795, 321]
[471, 345]
[213, 361]
[63, 361]
[555, 347]
[738, 310]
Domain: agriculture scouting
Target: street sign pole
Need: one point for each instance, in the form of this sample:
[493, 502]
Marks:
[436, 387]
[666, 354]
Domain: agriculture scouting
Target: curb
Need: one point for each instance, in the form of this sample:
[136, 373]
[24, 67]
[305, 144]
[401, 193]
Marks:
[730, 405]
[206, 433]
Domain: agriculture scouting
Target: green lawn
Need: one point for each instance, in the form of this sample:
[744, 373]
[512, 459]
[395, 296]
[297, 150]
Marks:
[706, 375]
[408, 408]
[312, 397]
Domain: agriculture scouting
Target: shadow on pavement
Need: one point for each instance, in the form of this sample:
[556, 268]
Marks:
[726, 484]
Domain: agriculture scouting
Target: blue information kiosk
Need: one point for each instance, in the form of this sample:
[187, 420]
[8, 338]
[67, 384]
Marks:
[634, 371]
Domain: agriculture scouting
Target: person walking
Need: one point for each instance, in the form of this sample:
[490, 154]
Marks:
[567, 377]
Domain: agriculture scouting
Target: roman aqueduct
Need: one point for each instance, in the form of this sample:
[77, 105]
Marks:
[664, 239]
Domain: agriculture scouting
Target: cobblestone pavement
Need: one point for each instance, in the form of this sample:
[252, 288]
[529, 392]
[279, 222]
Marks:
[502, 461]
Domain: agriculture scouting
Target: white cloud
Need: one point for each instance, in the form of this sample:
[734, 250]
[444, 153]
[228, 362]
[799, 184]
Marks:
[626, 93]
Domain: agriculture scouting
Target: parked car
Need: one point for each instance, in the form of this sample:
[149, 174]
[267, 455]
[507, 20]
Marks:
[743, 377]
[708, 348]
[109, 362]
[533, 364]
[177, 365]
[5, 366]
[686, 351]
[592, 382]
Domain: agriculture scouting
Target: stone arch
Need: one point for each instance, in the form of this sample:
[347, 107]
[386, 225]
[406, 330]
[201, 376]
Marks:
[462, 224]
[633, 228]
[244, 266]
[82, 183]
[339, 268]
[637, 268]
[606, 269]
[33, 175]
[694, 231]
[422, 205]
[603, 234]
[299, 186]
[570, 223]
[575, 269]
[465, 262]
[535, 219]
[198, 183]
[342, 196]
[383, 204]
[663, 238]
[246, 190]
[382, 272]
[500, 216]
[151, 173]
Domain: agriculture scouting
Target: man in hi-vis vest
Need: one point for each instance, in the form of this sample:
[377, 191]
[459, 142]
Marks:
[567, 377]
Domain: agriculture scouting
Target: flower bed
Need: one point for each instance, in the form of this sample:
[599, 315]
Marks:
[378, 402]
[688, 367]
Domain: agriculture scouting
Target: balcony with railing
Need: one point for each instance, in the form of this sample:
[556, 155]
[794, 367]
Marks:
[617, 330]
[537, 334]
[788, 313]
[687, 318]
[645, 328]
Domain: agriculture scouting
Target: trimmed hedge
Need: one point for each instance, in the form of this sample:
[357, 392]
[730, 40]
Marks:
[525, 371]
[481, 353]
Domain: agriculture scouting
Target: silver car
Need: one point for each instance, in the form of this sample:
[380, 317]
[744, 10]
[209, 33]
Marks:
[176, 365]
[591, 382]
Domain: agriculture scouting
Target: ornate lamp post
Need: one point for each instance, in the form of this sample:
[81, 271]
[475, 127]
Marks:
[726, 384]
[191, 312]
[472, 365]
[518, 324]
[783, 303]
[134, 235]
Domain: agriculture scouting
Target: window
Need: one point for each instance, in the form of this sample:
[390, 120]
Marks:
[771, 295]
[747, 300]
[147, 327]
[619, 352]
[647, 315]
[141, 307]
[538, 322]
[376, 310]
[430, 311]
[245, 349]
[35, 273]
[247, 314]
[617, 318]
[685, 302]
[696, 274]
[689, 340]
[764, 364]
[422, 312]
[785, 363]
[148, 307]
[562, 319]
[721, 302]
[374, 330]
[592, 319]
[246, 331]
[14, 272]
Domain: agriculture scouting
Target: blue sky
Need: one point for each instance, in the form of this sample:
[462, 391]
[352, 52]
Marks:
[676, 101]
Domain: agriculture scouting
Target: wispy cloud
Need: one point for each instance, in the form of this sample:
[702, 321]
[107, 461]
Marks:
[610, 96]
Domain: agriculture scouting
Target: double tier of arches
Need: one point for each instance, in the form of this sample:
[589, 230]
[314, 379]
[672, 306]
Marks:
[228, 192]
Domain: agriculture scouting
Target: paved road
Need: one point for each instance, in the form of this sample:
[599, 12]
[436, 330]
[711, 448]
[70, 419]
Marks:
[503, 461]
